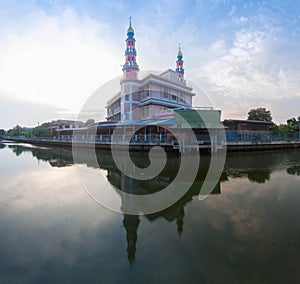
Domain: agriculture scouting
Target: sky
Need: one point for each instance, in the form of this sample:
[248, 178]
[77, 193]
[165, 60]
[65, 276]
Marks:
[54, 54]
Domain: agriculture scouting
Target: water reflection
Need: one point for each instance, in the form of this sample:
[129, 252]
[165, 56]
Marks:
[131, 223]
[246, 232]
[62, 157]
[295, 170]
[259, 166]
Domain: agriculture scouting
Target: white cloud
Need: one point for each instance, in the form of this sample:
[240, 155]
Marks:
[15, 111]
[61, 59]
[243, 19]
[250, 73]
[57, 60]
[232, 11]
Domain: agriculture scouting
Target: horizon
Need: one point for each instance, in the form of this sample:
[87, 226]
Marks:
[54, 54]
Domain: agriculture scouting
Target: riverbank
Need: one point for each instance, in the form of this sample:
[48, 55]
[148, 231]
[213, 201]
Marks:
[171, 146]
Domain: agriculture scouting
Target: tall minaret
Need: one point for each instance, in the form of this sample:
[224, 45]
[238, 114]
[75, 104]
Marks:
[179, 64]
[130, 68]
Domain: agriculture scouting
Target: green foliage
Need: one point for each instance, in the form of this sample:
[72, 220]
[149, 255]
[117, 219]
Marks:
[42, 130]
[290, 129]
[293, 125]
[89, 122]
[16, 131]
[38, 131]
[260, 114]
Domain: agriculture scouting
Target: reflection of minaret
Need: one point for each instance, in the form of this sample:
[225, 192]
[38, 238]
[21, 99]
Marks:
[180, 221]
[131, 223]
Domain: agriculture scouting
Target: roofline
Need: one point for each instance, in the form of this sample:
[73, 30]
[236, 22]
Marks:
[113, 99]
[161, 102]
[248, 121]
[157, 77]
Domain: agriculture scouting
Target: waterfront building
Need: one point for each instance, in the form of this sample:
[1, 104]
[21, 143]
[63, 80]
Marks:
[150, 97]
[247, 125]
[249, 130]
[65, 124]
[152, 107]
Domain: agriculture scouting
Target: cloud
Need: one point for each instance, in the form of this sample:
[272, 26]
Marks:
[14, 111]
[256, 70]
[59, 54]
[232, 11]
[57, 60]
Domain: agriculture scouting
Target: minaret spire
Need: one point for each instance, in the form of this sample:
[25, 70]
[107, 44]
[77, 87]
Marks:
[130, 68]
[179, 64]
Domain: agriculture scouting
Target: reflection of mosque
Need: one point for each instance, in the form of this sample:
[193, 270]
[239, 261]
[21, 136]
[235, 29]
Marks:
[255, 168]
[174, 213]
[131, 223]
[60, 157]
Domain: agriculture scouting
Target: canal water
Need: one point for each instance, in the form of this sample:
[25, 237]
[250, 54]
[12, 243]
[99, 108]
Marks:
[52, 231]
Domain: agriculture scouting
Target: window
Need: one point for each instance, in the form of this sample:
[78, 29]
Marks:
[147, 90]
[174, 97]
[127, 97]
[145, 112]
[181, 97]
[165, 93]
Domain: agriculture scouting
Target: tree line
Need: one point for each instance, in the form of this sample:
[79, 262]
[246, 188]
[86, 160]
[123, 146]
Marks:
[291, 128]
[43, 130]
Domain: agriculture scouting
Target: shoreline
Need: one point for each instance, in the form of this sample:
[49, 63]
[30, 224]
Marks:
[169, 147]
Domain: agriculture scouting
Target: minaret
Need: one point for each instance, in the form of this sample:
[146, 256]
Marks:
[130, 68]
[179, 64]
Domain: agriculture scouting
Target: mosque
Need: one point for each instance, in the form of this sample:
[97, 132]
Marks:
[150, 97]
[149, 106]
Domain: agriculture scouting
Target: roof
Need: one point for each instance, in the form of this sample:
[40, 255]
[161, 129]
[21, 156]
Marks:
[202, 118]
[134, 123]
[248, 121]
[154, 76]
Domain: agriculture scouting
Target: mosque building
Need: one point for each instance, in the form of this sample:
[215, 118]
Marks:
[152, 107]
[153, 95]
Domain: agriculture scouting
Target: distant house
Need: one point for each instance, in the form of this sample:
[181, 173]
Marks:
[2, 132]
[247, 125]
[65, 124]
[247, 130]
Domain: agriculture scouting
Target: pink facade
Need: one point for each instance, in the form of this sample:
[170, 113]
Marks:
[150, 97]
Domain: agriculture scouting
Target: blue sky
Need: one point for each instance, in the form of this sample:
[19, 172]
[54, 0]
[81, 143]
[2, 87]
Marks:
[54, 54]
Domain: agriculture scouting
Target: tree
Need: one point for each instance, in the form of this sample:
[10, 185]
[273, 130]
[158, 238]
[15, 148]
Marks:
[42, 130]
[16, 131]
[260, 114]
[293, 126]
[89, 122]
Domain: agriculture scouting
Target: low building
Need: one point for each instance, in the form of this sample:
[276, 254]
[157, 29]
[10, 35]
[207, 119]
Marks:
[248, 130]
[247, 125]
[56, 125]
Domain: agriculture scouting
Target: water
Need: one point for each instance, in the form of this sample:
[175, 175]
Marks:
[52, 231]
